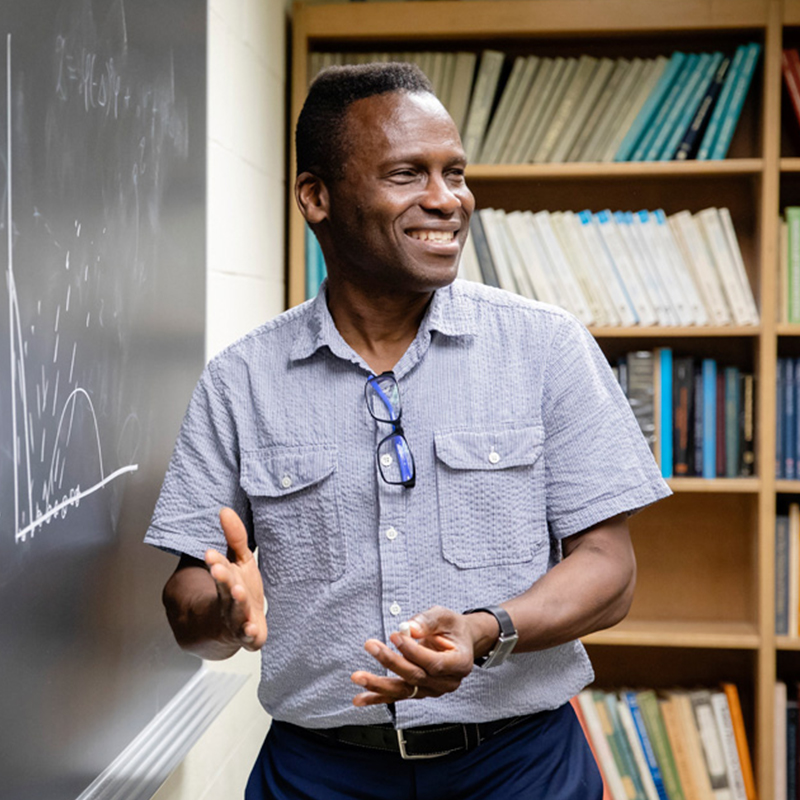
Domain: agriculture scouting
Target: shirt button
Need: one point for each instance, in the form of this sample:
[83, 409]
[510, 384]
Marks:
[386, 460]
[391, 534]
[494, 457]
[394, 609]
[286, 481]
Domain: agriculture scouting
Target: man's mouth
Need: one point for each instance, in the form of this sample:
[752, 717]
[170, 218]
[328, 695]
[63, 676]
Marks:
[432, 236]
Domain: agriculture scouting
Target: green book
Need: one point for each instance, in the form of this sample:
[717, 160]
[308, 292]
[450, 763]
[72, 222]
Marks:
[628, 769]
[793, 225]
[657, 733]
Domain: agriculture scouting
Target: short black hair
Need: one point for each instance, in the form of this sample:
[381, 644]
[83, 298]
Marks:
[320, 134]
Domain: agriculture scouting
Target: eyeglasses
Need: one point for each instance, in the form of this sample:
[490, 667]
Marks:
[395, 462]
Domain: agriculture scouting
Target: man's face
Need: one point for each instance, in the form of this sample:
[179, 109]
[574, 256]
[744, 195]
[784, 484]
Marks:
[400, 214]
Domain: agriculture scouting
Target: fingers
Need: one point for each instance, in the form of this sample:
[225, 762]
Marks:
[235, 534]
[381, 689]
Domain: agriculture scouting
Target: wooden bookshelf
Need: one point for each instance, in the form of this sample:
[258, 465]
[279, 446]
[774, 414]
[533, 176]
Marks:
[704, 609]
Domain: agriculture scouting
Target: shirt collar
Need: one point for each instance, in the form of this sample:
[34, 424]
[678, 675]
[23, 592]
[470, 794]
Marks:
[448, 314]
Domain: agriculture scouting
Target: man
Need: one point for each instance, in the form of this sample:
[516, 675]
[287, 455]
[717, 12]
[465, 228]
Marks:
[404, 447]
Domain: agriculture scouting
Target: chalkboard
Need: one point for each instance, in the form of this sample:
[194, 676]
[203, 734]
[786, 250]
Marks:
[102, 248]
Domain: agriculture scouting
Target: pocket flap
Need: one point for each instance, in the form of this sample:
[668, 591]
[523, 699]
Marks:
[277, 472]
[490, 450]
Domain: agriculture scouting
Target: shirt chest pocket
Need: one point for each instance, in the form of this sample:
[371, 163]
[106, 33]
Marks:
[491, 492]
[294, 497]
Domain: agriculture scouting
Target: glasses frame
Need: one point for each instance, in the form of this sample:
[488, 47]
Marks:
[407, 466]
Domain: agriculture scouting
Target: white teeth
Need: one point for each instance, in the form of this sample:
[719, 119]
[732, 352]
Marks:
[433, 236]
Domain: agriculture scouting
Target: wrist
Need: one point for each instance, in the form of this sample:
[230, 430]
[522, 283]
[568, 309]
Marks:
[504, 643]
[484, 630]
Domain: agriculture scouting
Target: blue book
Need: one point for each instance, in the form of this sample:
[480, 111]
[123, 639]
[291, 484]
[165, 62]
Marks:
[665, 357]
[796, 418]
[697, 427]
[780, 397]
[709, 368]
[718, 114]
[781, 575]
[743, 79]
[693, 136]
[603, 218]
[733, 439]
[699, 89]
[639, 126]
[791, 749]
[789, 428]
[644, 738]
[645, 147]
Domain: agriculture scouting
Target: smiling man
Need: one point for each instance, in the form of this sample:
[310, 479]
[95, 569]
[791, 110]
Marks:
[437, 476]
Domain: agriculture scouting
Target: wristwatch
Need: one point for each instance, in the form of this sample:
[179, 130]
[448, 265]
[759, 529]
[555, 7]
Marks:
[506, 642]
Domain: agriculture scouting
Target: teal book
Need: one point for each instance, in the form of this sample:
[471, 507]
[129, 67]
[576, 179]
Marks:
[709, 412]
[656, 125]
[691, 105]
[677, 111]
[665, 389]
[639, 127]
[718, 114]
[733, 403]
[743, 80]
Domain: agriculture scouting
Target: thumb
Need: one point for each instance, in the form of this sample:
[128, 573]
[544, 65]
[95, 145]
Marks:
[235, 534]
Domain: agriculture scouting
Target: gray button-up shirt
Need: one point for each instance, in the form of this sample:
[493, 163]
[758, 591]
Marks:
[520, 434]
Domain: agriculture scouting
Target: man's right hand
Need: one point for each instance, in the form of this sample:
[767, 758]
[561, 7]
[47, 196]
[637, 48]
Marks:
[216, 608]
[239, 585]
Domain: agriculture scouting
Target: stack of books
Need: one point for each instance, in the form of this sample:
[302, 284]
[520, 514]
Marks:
[533, 109]
[787, 417]
[675, 745]
[697, 416]
[617, 269]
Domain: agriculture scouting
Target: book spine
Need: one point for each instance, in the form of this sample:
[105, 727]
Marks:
[640, 392]
[641, 123]
[789, 401]
[709, 367]
[732, 426]
[708, 729]
[793, 224]
[665, 355]
[747, 464]
[658, 736]
[781, 575]
[734, 110]
[691, 139]
[720, 420]
[721, 107]
[791, 749]
[740, 734]
[723, 716]
[697, 428]
[683, 395]
[647, 745]
[790, 80]
[482, 249]
[780, 401]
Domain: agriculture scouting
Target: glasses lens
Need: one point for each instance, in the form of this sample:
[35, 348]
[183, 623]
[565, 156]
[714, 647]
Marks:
[395, 460]
[383, 398]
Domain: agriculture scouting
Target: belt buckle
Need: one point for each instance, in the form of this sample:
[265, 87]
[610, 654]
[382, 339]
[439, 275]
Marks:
[405, 755]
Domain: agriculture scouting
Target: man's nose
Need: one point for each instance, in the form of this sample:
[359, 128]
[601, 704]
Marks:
[440, 196]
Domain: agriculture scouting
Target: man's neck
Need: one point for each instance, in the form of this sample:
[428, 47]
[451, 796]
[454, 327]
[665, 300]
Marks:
[378, 327]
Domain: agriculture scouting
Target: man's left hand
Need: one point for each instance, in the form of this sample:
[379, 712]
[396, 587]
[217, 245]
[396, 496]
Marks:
[434, 657]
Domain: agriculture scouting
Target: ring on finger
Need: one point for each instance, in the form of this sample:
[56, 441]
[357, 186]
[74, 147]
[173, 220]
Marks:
[413, 694]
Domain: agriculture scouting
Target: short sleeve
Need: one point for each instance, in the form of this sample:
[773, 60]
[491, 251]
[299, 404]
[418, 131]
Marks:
[597, 461]
[202, 478]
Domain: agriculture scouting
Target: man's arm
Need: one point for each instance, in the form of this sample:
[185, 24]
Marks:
[590, 589]
[217, 607]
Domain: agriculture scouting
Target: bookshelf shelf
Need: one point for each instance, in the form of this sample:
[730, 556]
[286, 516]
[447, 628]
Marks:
[708, 552]
[787, 642]
[662, 332]
[733, 168]
[710, 635]
[717, 485]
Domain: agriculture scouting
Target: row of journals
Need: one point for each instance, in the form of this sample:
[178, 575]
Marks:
[676, 745]
[533, 109]
[787, 572]
[787, 419]
[697, 417]
[617, 269]
[787, 754]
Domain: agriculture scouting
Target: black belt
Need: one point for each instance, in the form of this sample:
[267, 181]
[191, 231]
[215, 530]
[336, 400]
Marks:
[429, 741]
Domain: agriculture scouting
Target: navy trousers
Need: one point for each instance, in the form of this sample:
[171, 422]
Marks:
[544, 758]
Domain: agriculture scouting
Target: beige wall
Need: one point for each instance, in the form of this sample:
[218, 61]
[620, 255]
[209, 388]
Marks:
[246, 189]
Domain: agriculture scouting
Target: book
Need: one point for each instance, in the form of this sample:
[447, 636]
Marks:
[576, 707]
[739, 268]
[481, 100]
[783, 272]
[482, 249]
[618, 744]
[654, 723]
[788, 423]
[792, 214]
[747, 426]
[628, 726]
[683, 411]
[697, 438]
[790, 70]
[709, 415]
[515, 257]
[780, 417]
[632, 702]
[779, 752]
[714, 757]
[649, 108]
[732, 381]
[458, 99]
[794, 568]
[502, 265]
[781, 575]
[469, 268]
[528, 247]
[791, 748]
[743, 76]
[664, 355]
[722, 714]
[601, 746]
[690, 142]
[720, 420]
[686, 745]
[740, 734]
[641, 395]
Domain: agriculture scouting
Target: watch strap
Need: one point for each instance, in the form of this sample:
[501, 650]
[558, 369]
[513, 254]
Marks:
[506, 640]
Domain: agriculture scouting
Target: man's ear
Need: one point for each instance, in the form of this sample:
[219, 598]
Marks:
[312, 197]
